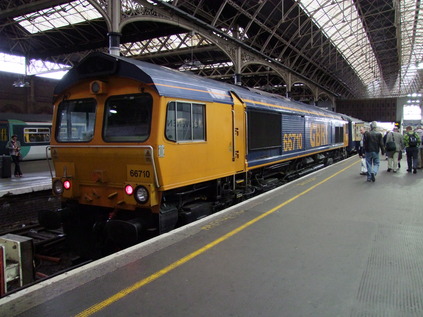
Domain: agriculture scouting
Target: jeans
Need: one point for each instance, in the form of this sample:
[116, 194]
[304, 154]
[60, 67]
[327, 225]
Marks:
[372, 163]
[15, 160]
[412, 156]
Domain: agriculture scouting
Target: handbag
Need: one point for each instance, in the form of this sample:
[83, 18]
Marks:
[390, 146]
[363, 165]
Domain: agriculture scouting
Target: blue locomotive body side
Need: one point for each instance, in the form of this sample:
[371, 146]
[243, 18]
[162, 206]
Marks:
[293, 135]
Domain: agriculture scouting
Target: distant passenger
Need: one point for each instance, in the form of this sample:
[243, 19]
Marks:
[14, 147]
[411, 143]
[361, 152]
[396, 140]
[373, 144]
[384, 143]
[419, 131]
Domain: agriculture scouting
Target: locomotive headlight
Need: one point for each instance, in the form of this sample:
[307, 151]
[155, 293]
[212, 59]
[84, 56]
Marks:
[98, 87]
[141, 194]
[57, 187]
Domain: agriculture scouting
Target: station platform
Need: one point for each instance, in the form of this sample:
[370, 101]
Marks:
[328, 244]
[36, 177]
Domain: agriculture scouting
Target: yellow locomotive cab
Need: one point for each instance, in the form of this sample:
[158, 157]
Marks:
[95, 183]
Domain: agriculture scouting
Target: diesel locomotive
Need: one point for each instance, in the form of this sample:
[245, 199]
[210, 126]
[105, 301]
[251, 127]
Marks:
[139, 149]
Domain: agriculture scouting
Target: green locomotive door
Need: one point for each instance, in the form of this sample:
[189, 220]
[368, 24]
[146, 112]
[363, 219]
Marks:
[238, 133]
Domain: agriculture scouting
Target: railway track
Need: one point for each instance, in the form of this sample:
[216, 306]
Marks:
[50, 257]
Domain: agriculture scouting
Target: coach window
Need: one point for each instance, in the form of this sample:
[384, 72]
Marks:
[3, 134]
[128, 118]
[37, 135]
[75, 120]
[185, 121]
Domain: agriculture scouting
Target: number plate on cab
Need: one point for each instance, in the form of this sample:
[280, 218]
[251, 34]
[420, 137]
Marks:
[139, 173]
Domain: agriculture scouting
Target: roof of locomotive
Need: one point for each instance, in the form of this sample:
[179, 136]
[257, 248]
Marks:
[351, 119]
[184, 85]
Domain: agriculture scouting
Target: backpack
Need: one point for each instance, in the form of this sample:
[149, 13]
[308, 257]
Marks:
[412, 140]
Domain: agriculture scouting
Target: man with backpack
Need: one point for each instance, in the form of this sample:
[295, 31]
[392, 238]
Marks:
[411, 142]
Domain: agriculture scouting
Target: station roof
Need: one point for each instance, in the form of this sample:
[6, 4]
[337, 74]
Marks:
[350, 49]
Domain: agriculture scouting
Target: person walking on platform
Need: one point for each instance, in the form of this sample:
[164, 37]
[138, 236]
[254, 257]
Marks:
[411, 143]
[14, 147]
[361, 153]
[373, 143]
[419, 132]
[394, 145]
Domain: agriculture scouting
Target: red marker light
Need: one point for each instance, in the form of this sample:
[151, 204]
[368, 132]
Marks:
[67, 184]
[129, 190]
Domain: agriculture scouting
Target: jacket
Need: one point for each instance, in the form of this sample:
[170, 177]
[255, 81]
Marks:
[397, 138]
[373, 142]
[407, 139]
[13, 147]
[419, 132]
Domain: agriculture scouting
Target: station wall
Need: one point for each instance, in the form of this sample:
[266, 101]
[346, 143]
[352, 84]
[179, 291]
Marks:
[375, 109]
[35, 99]
[38, 97]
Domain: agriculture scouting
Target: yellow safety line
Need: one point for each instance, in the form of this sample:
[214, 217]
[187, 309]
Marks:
[99, 306]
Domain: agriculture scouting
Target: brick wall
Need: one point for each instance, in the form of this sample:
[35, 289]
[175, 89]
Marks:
[36, 99]
[378, 109]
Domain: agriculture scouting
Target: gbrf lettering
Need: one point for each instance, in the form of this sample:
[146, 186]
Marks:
[318, 134]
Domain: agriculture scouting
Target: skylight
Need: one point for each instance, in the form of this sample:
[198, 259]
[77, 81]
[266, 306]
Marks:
[341, 23]
[18, 65]
[411, 42]
[58, 16]
[163, 44]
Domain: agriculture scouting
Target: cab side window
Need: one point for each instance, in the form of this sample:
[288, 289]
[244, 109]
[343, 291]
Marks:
[185, 122]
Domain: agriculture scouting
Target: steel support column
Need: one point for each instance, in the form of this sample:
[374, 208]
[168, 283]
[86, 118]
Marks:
[114, 35]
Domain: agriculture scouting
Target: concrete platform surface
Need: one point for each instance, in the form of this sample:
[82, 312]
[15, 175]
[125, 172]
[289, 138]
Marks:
[36, 177]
